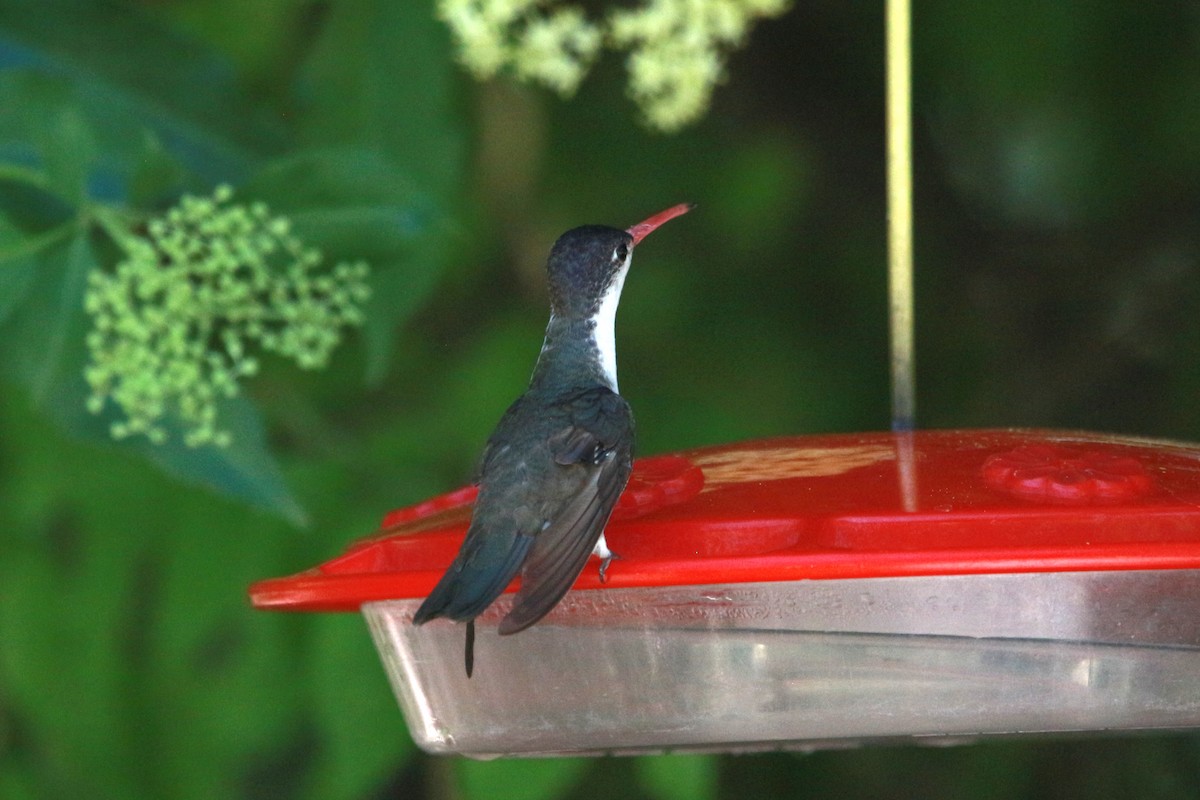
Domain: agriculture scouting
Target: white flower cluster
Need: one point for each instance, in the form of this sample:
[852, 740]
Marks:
[677, 51]
[551, 46]
[676, 47]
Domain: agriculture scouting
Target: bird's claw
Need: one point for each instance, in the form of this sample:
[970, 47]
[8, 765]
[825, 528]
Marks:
[604, 562]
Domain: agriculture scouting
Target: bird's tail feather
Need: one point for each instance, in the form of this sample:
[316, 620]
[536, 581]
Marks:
[469, 655]
[467, 588]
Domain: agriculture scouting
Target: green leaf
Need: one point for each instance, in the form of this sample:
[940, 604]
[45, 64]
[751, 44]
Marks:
[64, 321]
[517, 779]
[47, 119]
[155, 78]
[362, 730]
[157, 178]
[40, 335]
[351, 202]
[398, 288]
[130, 657]
[230, 672]
[63, 601]
[68, 153]
[245, 469]
[17, 267]
[17, 782]
[366, 90]
[57, 147]
[61, 665]
[677, 777]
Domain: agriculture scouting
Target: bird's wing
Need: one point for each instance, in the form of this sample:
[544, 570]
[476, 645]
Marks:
[493, 449]
[594, 452]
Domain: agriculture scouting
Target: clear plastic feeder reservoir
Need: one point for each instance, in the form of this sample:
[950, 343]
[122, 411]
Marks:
[817, 591]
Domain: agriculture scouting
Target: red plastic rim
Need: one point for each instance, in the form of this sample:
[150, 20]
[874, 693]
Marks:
[826, 507]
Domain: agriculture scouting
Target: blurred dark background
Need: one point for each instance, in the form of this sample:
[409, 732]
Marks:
[1057, 150]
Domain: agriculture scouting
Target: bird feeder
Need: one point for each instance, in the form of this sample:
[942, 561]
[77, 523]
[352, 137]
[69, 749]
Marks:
[817, 591]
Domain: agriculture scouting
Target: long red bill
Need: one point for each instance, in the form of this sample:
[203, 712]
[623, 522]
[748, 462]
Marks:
[639, 231]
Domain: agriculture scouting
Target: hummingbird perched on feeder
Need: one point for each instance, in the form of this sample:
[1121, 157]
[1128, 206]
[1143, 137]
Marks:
[560, 457]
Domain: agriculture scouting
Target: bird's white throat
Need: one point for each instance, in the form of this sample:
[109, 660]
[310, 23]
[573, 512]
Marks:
[604, 335]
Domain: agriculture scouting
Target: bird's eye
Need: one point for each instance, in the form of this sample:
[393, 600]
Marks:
[621, 253]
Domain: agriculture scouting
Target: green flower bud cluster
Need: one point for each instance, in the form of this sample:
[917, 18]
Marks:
[676, 47]
[212, 282]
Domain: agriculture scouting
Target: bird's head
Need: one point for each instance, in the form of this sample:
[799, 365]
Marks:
[587, 265]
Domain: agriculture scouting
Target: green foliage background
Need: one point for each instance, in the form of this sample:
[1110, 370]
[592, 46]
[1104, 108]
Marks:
[1058, 208]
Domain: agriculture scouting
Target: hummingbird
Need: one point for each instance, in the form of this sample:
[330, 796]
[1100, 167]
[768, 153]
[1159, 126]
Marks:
[559, 458]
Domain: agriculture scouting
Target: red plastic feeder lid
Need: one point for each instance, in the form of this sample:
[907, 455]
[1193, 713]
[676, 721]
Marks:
[840, 506]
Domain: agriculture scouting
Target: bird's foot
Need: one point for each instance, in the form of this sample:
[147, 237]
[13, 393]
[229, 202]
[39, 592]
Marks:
[606, 557]
[604, 562]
